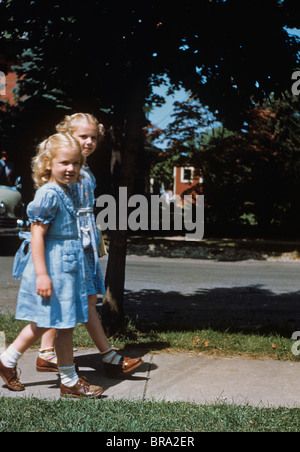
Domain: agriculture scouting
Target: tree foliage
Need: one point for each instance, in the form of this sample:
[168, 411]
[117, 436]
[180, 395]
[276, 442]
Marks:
[103, 57]
[251, 176]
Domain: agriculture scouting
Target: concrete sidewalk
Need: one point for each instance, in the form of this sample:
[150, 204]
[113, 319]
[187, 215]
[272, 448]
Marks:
[177, 377]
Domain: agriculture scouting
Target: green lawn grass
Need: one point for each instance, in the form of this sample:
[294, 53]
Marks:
[35, 415]
[206, 341]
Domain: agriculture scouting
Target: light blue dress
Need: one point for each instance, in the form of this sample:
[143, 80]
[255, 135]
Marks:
[68, 304]
[83, 197]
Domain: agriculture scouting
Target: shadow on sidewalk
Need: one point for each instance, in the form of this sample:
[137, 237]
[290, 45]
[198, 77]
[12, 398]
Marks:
[91, 366]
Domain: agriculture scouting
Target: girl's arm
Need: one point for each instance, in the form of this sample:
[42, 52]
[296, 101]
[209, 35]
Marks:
[43, 282]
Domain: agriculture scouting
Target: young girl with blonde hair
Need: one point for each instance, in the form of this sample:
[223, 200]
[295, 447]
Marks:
[89, 132]
[52, 292]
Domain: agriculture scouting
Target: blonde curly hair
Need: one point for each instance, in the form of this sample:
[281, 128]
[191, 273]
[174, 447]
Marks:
[46, 151]
[70, 123]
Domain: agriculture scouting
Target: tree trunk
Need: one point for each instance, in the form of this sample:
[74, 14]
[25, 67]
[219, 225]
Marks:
[112, 309]
[123, 172]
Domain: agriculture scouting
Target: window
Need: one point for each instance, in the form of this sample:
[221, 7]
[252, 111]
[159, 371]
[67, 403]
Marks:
[187, 174]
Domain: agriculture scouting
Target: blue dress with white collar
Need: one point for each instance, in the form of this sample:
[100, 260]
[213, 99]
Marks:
[83, 197]
[65, 261]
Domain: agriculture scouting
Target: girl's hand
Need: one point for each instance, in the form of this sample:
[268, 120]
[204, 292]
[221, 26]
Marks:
[44, 286]
[43, 282]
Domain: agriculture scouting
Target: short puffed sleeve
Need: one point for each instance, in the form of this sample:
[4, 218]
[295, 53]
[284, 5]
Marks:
[43, 208]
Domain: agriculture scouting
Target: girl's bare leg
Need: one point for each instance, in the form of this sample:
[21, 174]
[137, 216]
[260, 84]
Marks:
[28, 336]
[48, 339]
[109, 356]
[94, 326]
[64, 347]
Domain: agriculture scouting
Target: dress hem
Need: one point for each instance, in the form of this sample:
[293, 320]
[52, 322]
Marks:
[26, 319]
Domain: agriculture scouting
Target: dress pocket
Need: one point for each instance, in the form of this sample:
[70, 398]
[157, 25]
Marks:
[69, 259]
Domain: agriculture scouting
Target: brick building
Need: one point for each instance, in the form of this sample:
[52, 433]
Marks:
[187, 181]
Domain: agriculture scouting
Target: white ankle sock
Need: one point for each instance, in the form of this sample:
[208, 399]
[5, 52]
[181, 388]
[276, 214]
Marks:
[68, 375]
[10, 357]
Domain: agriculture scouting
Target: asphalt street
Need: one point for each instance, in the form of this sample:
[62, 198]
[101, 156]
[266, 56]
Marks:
[190, 275]
[245, 295]
[249, 294]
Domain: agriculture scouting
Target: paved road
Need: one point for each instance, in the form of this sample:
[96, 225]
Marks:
[248, 295]
[190, 275]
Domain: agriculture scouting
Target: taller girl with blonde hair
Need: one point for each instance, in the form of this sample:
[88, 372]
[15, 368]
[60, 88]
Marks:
[52, 291]
[89, 132]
